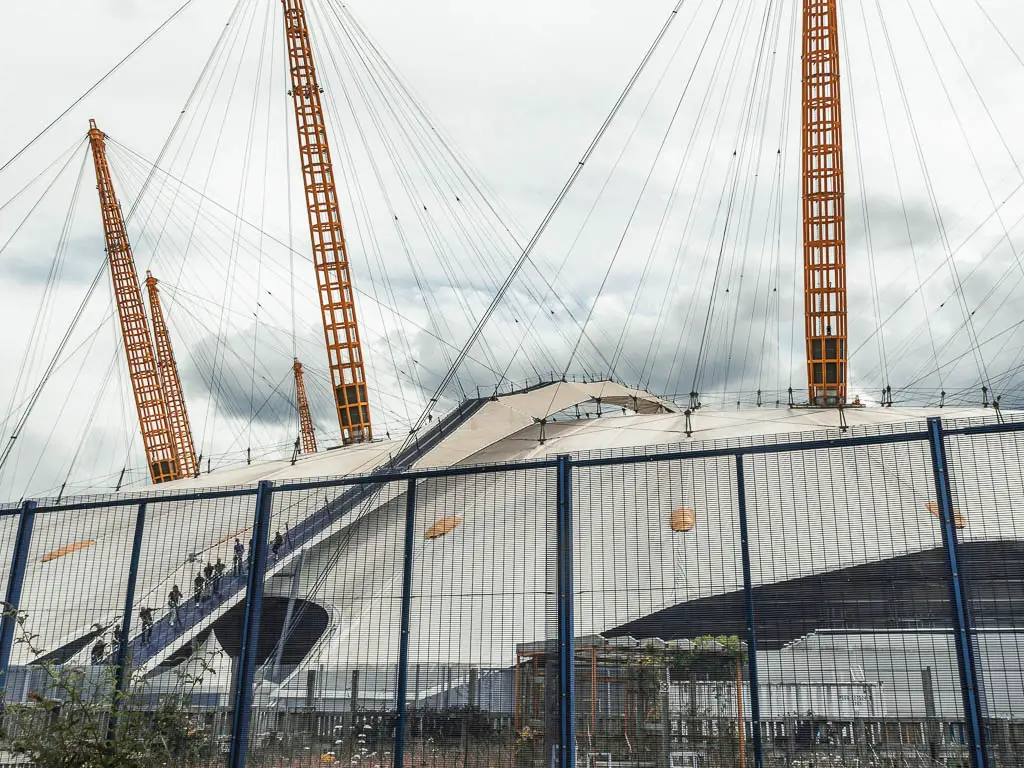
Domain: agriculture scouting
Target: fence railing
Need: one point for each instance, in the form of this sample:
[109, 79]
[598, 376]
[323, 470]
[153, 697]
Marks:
[815, 599]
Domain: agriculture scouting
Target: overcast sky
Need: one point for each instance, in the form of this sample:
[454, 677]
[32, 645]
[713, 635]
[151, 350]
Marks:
[677, 249]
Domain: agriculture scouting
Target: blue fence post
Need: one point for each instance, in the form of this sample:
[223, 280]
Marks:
[121, 660]
[251, 626]
[748, 597]
[963, 628]
[15, 581]
[403, 640]
[566, 642]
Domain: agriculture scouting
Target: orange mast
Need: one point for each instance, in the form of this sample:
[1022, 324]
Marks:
[138, 346]
[174, 398]
[824, 208]
[305, 422]
[330, 256]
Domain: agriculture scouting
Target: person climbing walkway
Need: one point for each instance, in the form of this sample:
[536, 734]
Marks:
[173, 603]
[218, 574]
[239, 557]
[197, 584]
[146, 615]
[208, 574]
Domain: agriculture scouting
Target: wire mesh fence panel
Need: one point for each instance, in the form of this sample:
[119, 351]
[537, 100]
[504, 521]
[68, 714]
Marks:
[70, 604]
[189, 602]
[328, 652]
[661, 678]
[856, 655]
[987, 483]
[482, 614]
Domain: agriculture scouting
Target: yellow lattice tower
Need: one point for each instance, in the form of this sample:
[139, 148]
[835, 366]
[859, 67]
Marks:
[306, 430]
[330, 256]
[174, 397]
[161, 455]
[824, 208]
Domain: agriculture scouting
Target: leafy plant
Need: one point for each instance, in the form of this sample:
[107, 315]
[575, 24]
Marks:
[68, 721]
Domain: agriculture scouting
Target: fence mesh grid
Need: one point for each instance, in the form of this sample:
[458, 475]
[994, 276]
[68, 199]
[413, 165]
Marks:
[850, 589]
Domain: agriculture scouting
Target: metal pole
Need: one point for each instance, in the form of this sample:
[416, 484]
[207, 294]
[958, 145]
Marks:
[251, 627]
[121, 660]
[959, 605]
[403, 640]
[566, 644]
[748, 596]
[286, 628]
[15, 581]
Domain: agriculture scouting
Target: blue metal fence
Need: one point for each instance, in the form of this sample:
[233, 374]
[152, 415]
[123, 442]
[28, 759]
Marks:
[397, 719]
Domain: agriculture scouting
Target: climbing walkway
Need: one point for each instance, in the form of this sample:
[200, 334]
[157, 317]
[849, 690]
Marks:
[192, 614]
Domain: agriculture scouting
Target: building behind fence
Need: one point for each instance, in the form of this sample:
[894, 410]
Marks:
[799, 600]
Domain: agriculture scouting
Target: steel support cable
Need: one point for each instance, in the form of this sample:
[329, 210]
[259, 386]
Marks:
[936, 270]
[208, 423]
[98, 83]
[593, 207]
[476, 179]
[247, 160]
[70, 356]
[83, 436]
[1009, 293]
[532, 243]
[217, 386]
[974, 86]
[737, 31]
[999, 31]
[358, 198]
[963, 131]
[433, 309]
[675, 185]
[671, 283]
[462, 164]
[437, 169]
[202, 80]
[171, 135]
[275, 390]
[703, 177]
[212, 201]
[761, 130]
[954, 272]
[790, 99]
[33, 346]
[40, 322]
[865, 210]
[58, 160]
[196, 350]
[259, 247]
[755, 127]
[903, 203]
[629, 221]
[1009, 330]
[437, 241]
[5, 452]
[704, 349]
[390, 309]
[720, 321]
[198, 91]
[780, 198]
[775, 217]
